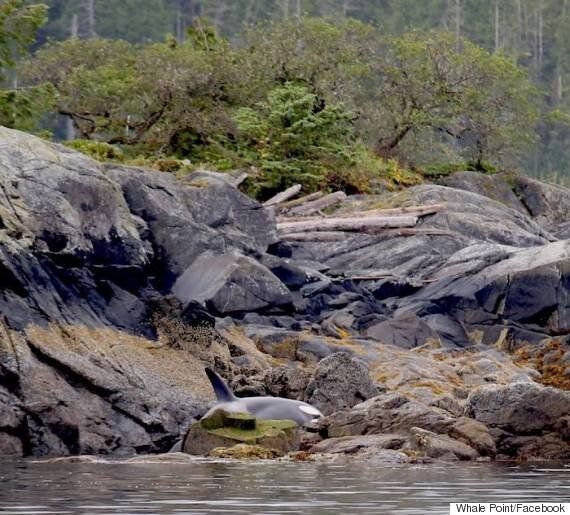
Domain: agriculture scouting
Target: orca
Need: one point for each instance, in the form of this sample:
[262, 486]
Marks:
[272, 408]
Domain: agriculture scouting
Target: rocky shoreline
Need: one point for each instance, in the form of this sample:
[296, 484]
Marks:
[118, 285]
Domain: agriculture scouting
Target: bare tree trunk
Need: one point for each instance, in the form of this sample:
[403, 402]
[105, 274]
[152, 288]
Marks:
[457, 19]
[519, 26]
[74, 33]
[355, 224]
[540, 36]
[557, 94]
[285, 7]
[283, 196]
[497, 42]
[299, 9]
[220, 15]
[316, 205]
[90, 11]
[186, 12]
[74, 29]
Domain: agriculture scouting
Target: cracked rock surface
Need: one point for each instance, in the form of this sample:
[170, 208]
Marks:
[119, 284]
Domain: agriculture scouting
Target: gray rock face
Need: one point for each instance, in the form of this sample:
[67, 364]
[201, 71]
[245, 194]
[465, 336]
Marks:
[486, 269]
[387, 413]
[98, 356]
[287, 382]
[230, 283]
[406, 331]
[340, 381]
[519, 407]
[495, 187]
[354, 444]
[528, 289]
[66, 391]
[90, 250]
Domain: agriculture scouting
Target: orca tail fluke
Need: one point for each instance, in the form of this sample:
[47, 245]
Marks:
[221, 389]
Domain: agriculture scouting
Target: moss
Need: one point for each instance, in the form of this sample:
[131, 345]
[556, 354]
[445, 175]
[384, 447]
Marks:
[439, 170]
[263, 428]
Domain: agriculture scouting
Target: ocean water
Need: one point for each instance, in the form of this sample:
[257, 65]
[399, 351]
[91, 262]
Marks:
[220, 487]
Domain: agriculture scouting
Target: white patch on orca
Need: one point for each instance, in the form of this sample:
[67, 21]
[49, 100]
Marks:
[309, 410]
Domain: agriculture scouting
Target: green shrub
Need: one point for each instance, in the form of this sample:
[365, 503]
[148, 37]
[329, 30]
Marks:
[96, 149]
[294, 137]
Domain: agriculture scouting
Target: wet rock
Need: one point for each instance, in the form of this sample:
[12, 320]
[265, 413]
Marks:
[518, 407]
[548, 446]
[386, 413]
[230, 283]
[294, 274]
[222, 429]
[439, 446]
[355, 444]
[475, 434]
[340, 381]
[79, 390]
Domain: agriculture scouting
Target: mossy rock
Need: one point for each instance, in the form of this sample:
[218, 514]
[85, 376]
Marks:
[222, 429]
[222, 419]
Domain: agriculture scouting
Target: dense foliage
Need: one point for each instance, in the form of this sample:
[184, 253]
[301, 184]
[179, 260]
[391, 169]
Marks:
[534, 33]
[301, 100]
[341, 103]
[20, 107]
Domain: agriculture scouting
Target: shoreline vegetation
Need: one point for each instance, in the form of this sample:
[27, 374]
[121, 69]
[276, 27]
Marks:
[331, 104]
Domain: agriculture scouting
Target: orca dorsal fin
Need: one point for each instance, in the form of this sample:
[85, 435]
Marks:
[221, 389]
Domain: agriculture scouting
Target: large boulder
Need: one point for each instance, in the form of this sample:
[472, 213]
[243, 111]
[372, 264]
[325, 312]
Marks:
[340, 381]
[520, 292]
[439, 446]
[221, 429]
[496, 187]
[230, 283]
[184, 219]
[522, 408]
[388, 412]
[94, 358]
[74, 390]
[405, 330]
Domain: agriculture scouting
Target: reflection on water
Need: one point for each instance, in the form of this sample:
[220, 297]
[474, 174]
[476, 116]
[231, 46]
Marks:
[268, 487]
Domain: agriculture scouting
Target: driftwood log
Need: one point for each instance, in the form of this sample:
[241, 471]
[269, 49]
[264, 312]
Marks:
[422, 210]
[301, 200]
[283, 196]
[318, 236]
[316, 205]
[358, 224]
